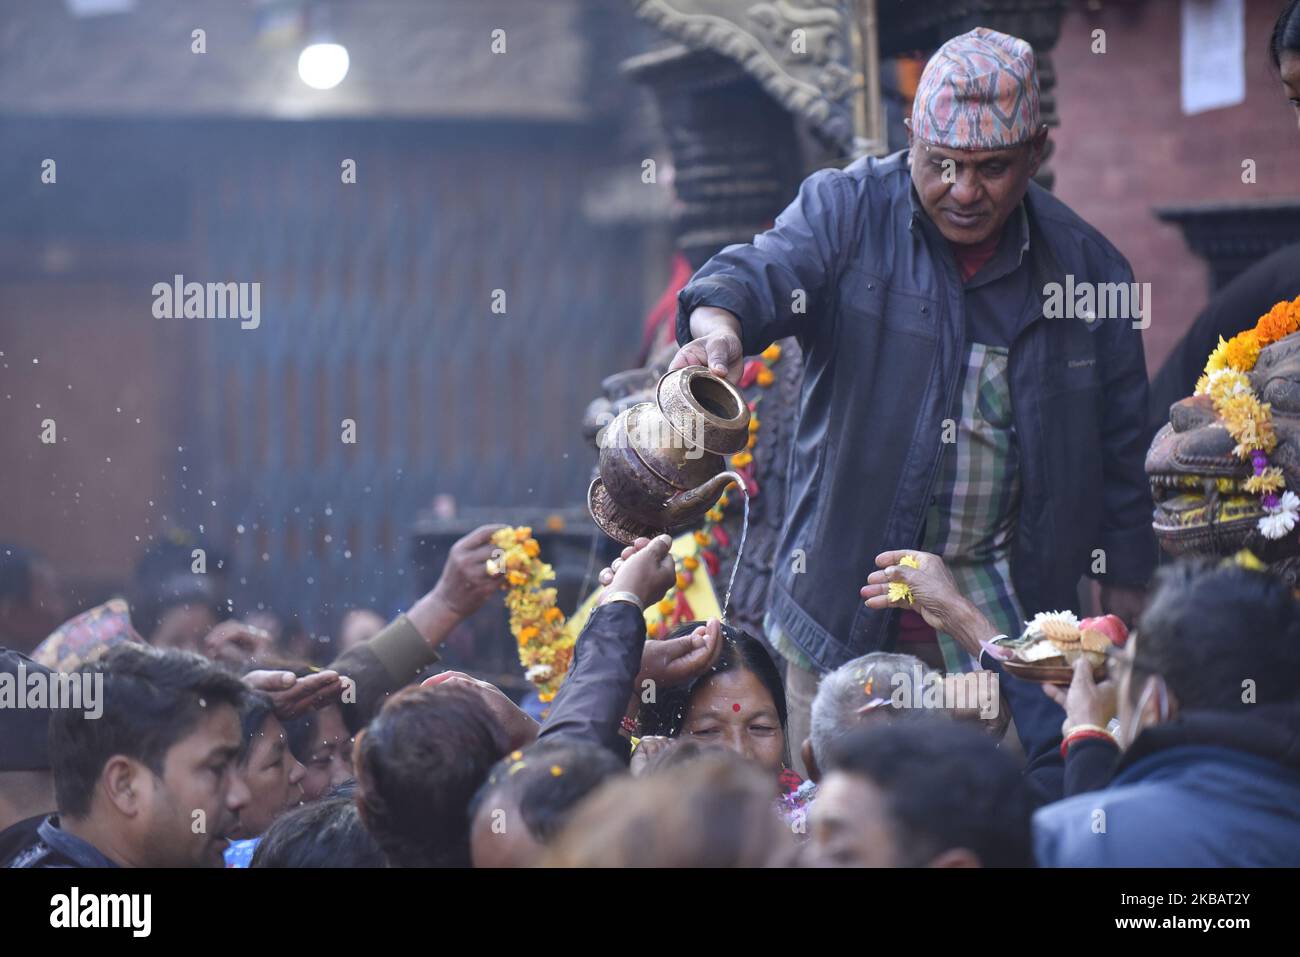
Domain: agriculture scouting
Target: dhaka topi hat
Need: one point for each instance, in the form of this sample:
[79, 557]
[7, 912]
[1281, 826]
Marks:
[978, 92]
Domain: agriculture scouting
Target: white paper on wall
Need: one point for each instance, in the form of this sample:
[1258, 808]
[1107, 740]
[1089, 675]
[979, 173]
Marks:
[1213, 54]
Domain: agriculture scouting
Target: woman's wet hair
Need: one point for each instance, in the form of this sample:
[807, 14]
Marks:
[741, 651]
[1286, 34]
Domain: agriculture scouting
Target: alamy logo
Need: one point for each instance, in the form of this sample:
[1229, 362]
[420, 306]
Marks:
[967, 691]
[53, 689]
[102, 910]
[212, 300]
[1091, 301]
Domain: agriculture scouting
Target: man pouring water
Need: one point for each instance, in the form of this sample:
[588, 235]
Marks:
[941, 409]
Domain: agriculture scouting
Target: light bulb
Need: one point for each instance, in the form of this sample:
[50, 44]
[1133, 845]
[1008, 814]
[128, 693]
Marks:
[323, 66]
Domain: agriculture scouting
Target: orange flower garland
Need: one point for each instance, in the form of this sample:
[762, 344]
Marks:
[1249, 421]
[545, 648]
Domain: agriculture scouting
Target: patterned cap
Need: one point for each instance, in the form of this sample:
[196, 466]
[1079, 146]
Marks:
[978, 92]
[84, 638]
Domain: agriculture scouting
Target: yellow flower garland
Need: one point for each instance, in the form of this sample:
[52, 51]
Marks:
[545, 647]
[1248, 420]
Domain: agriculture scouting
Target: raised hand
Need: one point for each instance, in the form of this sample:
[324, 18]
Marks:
[292, 696]
[645, 568]
[465, 585]
[675, 661]
[934, 596]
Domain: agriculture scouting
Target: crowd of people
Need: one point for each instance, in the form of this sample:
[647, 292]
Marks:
[196, 761]
[869, 724]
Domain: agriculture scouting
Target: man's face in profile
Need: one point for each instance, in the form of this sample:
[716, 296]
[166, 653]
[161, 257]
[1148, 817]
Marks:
[849, 824]
[186, 813]
[969, 194]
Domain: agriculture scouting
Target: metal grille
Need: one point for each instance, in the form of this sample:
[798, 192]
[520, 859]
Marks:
[375, 306]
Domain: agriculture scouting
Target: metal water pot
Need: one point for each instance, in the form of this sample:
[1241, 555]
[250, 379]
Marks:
[661, 462]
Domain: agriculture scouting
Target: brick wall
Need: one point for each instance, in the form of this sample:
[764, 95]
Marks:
[1124, 145]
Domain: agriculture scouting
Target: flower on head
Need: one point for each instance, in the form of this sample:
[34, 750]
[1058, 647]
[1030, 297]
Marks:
[1249, 421]
[1222, 383]
[1279, 519]
[1217, 358]
[1270, 479]
[1279, 322]
[1241, 351]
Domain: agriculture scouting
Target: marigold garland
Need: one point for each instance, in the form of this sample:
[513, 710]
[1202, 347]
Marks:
[545, 647]
[1250, 421]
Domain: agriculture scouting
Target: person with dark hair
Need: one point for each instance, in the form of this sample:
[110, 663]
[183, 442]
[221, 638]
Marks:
[738, 704]
[418, 764]
[927, 793]
[26, 784]
[175, 612]
[1208, 696]
[273, 775]
[530, 795]
[714, 810]
[152, 781]
[321, 742]
[318, 738]
[30, 604]
[1284, 49]
[325, 833]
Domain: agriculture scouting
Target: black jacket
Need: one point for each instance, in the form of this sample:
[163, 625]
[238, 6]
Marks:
[883, 333]
[593, 699]
[1208, 789]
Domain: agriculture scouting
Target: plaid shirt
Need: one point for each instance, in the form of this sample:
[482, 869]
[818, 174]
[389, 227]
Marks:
[972, 520]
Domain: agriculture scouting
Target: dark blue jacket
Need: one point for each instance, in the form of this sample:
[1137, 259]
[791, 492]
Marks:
[1211, 789]
[883, 336]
